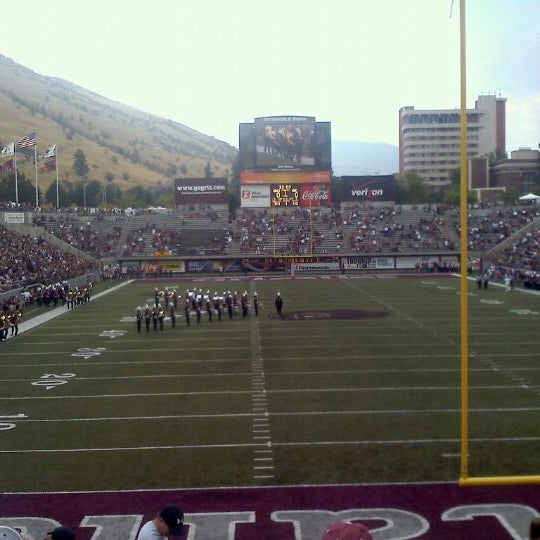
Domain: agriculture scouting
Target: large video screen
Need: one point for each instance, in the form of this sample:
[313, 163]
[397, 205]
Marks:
[285, 142]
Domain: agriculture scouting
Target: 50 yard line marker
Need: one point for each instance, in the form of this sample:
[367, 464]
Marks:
[263, 459]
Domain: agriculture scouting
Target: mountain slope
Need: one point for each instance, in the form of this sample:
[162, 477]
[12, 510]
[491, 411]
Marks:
[119, 142]
[352, 158]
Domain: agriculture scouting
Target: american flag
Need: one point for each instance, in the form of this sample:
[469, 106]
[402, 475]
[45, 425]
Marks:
[28, 140]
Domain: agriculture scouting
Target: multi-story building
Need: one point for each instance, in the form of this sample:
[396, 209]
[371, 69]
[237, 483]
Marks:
[519, 174]
[430, 140]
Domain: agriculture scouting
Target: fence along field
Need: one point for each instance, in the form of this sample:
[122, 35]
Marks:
[360, 382]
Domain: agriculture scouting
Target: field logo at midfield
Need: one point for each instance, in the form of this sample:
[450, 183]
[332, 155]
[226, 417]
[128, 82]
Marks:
[326, 314]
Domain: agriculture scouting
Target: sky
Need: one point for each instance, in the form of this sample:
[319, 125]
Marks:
[212, 64]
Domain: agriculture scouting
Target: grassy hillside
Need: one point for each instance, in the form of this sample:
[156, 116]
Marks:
[135, 147]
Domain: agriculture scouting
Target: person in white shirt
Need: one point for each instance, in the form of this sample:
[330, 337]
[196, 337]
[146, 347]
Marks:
[169, 522]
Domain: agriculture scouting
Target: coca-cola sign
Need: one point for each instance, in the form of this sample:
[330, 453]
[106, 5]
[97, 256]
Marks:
[315, 195]
[320, 195]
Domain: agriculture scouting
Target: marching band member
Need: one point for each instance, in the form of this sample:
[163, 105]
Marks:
[245, 304]
[147, 317]
[208, 305]
[3, 327]
[139, 318]
[217, 304]
[160, 316]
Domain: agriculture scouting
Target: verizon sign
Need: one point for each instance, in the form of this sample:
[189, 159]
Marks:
[368, 188]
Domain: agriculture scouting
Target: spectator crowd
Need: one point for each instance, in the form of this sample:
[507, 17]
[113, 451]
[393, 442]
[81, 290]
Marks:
[494, 234]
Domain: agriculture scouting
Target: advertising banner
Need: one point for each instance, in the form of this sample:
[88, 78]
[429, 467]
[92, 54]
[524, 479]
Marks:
[438, 263]
[313, 195]
[199, 266]
[368, 263]
[368, 188]
[13, 217]
[255, 197]
[284, 177]
[158, 268]
[201, 191]
[305, 195]
[177, 267]
[316, 267]
[416, 262]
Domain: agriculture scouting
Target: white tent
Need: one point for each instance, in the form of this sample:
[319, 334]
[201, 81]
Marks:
[529, 197]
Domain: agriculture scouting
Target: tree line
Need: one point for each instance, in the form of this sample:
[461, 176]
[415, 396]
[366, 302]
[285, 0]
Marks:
[91, 193]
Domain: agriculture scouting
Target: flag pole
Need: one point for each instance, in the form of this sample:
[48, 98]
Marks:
[35, 162]
[56, 165]
[16, 181]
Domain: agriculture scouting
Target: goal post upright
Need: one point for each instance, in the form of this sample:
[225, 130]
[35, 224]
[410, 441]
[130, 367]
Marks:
[464, 479]
[464, 310]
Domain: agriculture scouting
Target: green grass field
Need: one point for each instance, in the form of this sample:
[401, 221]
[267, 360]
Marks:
[87, 403]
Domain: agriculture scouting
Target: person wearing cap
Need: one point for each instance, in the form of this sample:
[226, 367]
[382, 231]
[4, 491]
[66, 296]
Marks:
[187, 311]
[147, 317]
[245, 304]
[169, 522]
[279, 303]
[347, 530]
[60, 533]
[139, 317]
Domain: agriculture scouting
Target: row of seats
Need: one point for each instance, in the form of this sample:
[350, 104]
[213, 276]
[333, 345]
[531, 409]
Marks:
[299, 231]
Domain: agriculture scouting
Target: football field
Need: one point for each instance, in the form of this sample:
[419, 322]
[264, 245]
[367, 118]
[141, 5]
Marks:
[359, 382]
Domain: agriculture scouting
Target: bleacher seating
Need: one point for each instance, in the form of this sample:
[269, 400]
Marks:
[505, 236]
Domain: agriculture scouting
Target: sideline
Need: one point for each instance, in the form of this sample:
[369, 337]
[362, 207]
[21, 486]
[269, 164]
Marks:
[29, 324]
[501, 285]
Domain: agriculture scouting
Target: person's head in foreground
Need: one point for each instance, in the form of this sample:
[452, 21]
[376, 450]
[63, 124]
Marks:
[61, 533]
[534, 530]
[170, 521]
[346, 530]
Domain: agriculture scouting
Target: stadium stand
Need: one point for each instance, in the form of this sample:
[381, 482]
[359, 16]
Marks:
[505, 237]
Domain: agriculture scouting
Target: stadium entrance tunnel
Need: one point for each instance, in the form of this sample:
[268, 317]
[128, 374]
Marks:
[334, 314]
